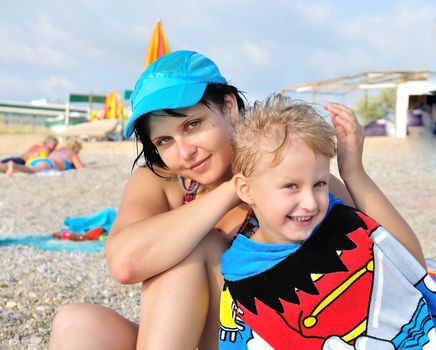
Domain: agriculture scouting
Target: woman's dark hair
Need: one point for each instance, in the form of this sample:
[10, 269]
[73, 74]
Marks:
[214, 93]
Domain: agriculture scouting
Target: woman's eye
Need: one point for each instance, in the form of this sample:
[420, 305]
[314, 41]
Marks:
[192, 124]
[163, 141]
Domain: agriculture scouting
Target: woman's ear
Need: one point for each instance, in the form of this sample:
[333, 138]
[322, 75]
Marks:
[231, 107]
[242, 188]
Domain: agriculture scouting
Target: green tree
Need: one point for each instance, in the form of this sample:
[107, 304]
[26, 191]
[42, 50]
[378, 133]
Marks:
[373, 107]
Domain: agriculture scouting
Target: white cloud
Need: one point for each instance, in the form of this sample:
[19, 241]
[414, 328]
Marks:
[314, 13]
[401, 40]
[13, 85]
[58, 37]
[257, 53]
[32, 46]
[260, 47]
[409, 24]
[52, 86]
[345, 61]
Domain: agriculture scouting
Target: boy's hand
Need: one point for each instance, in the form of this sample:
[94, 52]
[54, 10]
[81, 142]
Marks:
[350, 139]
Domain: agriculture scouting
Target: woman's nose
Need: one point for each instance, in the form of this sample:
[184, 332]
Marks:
[186, 149]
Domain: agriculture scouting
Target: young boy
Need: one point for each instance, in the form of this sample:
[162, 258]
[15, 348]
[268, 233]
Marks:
[316, 274]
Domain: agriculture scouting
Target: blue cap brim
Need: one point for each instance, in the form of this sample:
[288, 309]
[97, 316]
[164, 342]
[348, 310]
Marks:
[172, 97]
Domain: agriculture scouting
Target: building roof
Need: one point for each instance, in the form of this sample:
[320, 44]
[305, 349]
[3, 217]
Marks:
[367, 80]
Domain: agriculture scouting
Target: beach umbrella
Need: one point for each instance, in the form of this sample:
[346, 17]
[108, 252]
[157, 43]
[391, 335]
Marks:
[158, 44]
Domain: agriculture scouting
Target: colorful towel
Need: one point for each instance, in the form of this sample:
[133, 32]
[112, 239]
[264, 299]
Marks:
[103, 218]
[431, 265]
[52, 244]
[81, 224]
[351, 285]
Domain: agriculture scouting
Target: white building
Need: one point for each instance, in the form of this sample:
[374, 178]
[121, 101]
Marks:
[410, 86]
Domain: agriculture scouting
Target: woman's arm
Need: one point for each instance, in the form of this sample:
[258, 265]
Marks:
[365, 193]
[149, 236]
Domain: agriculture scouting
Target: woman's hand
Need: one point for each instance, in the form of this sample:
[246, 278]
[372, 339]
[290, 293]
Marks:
[351, 136]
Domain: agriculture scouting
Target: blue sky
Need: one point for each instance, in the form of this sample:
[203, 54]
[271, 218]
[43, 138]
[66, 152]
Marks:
[49, 48]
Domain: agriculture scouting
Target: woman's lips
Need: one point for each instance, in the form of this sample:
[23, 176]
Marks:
[199, 166]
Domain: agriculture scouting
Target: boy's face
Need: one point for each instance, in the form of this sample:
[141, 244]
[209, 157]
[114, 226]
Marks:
[290, 199]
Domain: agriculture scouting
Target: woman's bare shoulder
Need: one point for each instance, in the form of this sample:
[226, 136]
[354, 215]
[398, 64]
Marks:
[146, 185]
[146, 195]
[144, 177]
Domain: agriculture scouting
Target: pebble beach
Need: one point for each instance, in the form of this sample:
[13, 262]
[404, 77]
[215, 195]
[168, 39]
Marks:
[34, 283]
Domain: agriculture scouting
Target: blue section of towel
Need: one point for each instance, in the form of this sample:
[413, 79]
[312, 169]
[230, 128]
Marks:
[81, 224]
[53, 244]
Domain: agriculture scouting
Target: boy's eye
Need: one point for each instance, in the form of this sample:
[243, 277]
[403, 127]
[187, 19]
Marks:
[321, 184]
[291, 186]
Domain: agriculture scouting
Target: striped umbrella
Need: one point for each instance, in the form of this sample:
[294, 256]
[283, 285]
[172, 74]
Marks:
[158, 44]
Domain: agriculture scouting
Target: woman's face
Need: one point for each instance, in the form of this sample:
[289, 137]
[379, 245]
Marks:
[197, 146]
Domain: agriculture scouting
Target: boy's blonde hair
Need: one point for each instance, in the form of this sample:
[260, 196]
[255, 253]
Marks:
[266, 127]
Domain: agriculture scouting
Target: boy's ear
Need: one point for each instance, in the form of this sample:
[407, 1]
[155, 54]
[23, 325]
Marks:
[242, 188]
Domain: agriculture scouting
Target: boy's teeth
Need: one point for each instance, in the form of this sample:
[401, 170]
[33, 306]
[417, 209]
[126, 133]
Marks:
[301, 218]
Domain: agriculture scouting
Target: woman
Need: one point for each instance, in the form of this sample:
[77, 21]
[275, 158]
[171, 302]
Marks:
[183, 112]
[64, 158]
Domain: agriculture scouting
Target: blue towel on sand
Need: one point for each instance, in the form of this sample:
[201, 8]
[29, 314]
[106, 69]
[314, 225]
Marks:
[47, 242]
[103, 218]
[81, 224]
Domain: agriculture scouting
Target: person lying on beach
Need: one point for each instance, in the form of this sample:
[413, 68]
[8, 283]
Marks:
[35, 151]
[169, 234]
[312, 273]
[64, 158]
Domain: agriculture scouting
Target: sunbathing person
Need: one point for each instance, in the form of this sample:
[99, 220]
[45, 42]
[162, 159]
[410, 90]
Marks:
[65, 158]
[36, 151]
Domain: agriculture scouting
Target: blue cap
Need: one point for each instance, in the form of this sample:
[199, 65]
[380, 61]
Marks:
[176, 80]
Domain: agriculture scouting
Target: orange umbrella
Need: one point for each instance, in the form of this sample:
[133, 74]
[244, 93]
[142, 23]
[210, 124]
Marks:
[158, 44]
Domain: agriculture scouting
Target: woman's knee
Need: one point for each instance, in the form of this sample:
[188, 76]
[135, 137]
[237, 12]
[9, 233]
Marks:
[67, 324]
[71, 315]
[91, 326]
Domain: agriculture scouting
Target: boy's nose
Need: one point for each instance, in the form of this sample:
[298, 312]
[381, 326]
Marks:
[308, 201]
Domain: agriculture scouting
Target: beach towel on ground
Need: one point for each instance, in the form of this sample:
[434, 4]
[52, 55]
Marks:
[47, 242]
[103, 218]
[81, 224]
[351, 285]
[48, 172]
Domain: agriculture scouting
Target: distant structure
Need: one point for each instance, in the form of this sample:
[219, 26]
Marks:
[37, 114]
[410, 85]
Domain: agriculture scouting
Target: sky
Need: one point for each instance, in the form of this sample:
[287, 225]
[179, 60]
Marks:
[50, 48]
